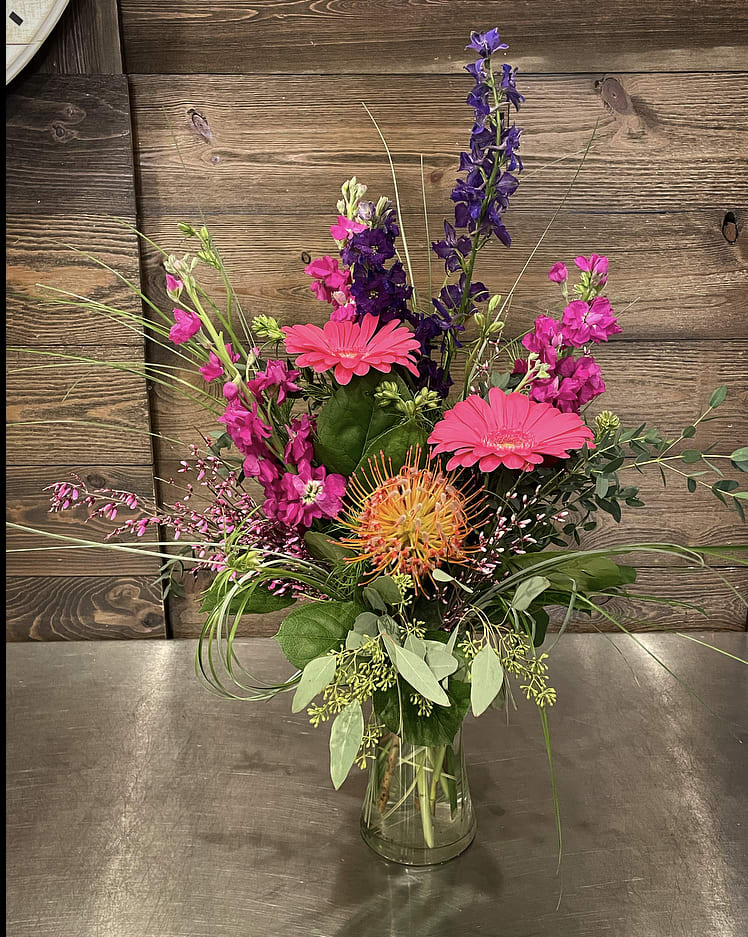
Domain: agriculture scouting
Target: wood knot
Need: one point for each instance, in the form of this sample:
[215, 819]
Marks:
[59, 130]
[730, 229]
[613, 94]
[95, 480]
[200, 124]
[436, 175]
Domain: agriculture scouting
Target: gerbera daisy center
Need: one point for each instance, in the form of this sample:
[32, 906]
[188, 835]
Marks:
[503, 440]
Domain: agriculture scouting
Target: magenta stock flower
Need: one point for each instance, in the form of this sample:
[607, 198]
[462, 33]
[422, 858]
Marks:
[299, 448]
[299, 499]
[595, 265]
[173, 284]
[558, 273]
[507, 429]
[588, 322]
[352, 348]
[214, 367]
[276, 374]
[345, 227]
[245, 427]
[546, 339]
[186, 324]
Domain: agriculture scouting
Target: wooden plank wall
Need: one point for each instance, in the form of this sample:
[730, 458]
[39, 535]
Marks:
[69, 169]
[250, 116]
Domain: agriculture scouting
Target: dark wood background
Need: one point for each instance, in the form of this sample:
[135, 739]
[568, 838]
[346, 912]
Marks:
[250, 116]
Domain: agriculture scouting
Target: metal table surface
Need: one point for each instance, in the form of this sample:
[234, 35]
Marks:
[138, 805]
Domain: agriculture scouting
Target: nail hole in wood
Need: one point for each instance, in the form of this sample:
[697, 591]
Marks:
[306, 258]
[730, 228]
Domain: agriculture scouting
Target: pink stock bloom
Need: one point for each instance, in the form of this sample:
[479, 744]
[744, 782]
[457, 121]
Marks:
[230, 390]
[298, 500]
[589, 322]
[545, 339]
[558, 273]
[245, 428]
[173, 284]
[345, 227]
[352, 348]
[276, 374]
[581, 381]
[507, 429]
[299, 448]
[328, 277]
[595, 265]
[186, 324]
[344, 313]
[214, 367]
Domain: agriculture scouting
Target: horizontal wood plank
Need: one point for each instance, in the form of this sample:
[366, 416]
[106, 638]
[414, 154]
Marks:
[245, 144]
[404, 36]
[51, 252]
[703, 587]
[671, 275]
[27, 503]
[69, 146]
[75, 608]
[44, 393]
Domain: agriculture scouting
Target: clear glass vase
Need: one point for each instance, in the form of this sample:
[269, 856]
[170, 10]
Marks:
[417, 808]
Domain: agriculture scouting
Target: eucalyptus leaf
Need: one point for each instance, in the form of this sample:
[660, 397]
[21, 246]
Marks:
[486, 679]
[416, 645]
[690, 455]
[739, 458]
[416, 672]
[528, 590]
[374, 599]
[400, 715]
[442, 663]
[354, 640]
[346, 736]
[718, 397]
[387, 625]
[317, 674]
[366, 623]
[387, 589]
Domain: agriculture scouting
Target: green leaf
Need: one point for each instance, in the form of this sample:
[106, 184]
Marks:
[387, 625]
[349, 421]
[416, 672]
[346, 736]
[528, 590]
[486, 679]
[416, 645]
[314, 629]
[688, 432]
[591, 574]
[718, 397]
[690, 455]
[726, 484]
[374, 599]
[387, 589]
[442, 663]
[394, 445]
[612, 466]
[739, 458]
[691, 484]
[317, 674]
[323, 547]
[366, 623]
[438, 728]
[441, 575]
[601, 486]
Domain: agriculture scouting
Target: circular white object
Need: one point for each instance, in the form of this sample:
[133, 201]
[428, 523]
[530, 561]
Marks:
[27, 25]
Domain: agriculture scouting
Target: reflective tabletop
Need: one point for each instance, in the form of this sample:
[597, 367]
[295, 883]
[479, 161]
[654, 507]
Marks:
[138, 805]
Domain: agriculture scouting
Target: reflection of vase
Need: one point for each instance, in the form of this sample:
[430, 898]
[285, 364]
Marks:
[417, 809]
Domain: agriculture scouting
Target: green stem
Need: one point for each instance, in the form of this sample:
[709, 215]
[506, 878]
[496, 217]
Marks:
[423, 799]
[437, 775]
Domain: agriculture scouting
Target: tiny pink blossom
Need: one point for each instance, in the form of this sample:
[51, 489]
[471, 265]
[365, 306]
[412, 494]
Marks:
[276, 374]
[173, 284]
[214, 367]
[230, 390]
[558, 273]
[344, 227]
[186, 325]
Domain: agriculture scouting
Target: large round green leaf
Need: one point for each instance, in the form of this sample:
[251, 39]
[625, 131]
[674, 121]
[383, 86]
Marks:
[314, 629]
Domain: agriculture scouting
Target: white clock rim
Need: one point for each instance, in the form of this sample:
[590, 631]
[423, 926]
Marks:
[30, 48]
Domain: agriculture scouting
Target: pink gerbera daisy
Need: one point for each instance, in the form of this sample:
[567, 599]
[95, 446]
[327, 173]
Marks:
[507, 429]
[351, 348]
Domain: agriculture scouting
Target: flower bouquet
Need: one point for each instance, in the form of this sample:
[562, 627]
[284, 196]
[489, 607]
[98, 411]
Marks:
[408, 480]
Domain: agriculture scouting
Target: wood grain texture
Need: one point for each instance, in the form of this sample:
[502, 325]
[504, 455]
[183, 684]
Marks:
[27, 503]
[50, 251]
[69, 146]
[75, 608]
[86, 41]
[251, 145]
[671, 275]
[406, 36]
[702, 587]
[81, 392]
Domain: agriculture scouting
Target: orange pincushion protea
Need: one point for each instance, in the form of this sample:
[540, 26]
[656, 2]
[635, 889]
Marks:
[412, 521]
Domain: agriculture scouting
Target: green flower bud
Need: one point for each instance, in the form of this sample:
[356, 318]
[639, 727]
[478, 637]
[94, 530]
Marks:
[187, 230]
[387, 393]
[267, 327]
[606, 422]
